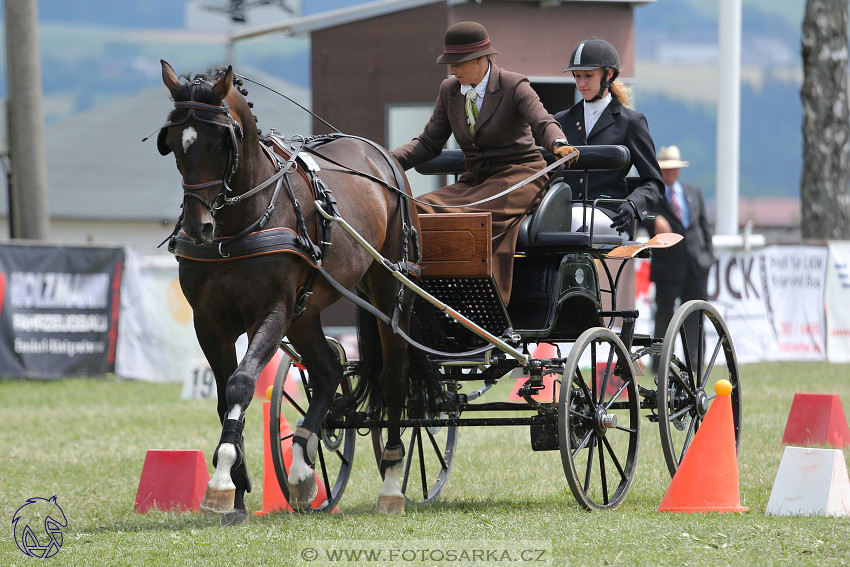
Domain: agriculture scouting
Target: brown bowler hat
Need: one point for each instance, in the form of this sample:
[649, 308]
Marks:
[465, 41]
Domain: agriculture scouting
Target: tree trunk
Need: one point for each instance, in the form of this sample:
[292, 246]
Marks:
[825, 183]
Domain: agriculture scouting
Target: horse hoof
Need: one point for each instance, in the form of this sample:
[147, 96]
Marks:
[301, 495]
[218, 501]
[390, 505]
[234, 518]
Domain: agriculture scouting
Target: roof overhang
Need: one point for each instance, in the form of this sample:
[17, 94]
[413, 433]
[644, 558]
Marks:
[342, 16]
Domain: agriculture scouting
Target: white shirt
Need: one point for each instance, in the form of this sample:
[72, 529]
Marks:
[480, 88]
[592, 112]
[683, 201]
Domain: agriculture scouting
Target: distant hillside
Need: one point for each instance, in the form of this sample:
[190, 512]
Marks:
[136, 14]
[147, 13]
[97, 50]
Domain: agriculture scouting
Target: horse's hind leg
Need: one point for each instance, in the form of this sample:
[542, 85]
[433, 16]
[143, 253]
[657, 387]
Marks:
[325, 374]
[393, 381]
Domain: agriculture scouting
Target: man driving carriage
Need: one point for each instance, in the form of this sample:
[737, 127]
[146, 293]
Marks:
[498, 121]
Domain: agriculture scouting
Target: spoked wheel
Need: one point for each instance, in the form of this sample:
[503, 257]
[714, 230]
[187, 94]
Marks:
[336, 447]
[691, 362]
[599, 420]
[429, 456]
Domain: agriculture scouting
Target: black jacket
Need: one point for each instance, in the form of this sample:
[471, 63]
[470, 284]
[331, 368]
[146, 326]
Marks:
[617, 125]
[691, 258]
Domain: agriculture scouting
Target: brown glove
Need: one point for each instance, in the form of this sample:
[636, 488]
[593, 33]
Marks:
[562, 150]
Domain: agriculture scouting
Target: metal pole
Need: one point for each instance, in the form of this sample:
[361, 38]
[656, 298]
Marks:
[728, 116]
[26, 122]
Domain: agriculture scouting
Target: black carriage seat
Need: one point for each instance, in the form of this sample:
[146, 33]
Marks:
[550, 225]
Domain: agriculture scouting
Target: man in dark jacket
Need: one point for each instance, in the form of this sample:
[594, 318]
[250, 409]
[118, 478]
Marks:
[681, 271]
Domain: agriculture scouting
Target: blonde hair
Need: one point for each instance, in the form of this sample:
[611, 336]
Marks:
[621, 92]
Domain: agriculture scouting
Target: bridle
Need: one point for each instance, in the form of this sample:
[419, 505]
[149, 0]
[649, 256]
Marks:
[233, 157]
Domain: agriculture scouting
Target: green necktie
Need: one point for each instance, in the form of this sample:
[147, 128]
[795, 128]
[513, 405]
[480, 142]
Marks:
[471, 109]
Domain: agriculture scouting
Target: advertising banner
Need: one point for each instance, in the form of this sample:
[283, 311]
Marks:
[157, 340]
[58, 310]
[772, 300]
[838, 302]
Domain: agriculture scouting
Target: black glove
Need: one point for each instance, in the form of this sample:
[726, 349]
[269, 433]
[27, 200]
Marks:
[624, 220]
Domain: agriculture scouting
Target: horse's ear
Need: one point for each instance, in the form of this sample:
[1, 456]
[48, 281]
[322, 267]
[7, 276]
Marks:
[222, 86]
[169, 77]
[163, 148]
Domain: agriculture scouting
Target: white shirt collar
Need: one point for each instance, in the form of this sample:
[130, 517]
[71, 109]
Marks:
[480, 88]
[592, 111]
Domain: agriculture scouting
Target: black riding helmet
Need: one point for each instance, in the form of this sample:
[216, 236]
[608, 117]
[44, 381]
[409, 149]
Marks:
[595, 53]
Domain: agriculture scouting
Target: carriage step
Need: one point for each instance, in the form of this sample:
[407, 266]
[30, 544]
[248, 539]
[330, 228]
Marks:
[544, 437]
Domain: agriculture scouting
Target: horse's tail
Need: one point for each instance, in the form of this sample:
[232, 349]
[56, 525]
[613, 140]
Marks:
[422, 378]
[367, 391]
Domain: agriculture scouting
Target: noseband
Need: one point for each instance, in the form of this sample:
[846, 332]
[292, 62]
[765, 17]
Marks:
[233, 156]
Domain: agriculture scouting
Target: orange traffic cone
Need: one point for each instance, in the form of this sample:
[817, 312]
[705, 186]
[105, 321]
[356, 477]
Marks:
[707, 479]
[273, 499]
[542, 351]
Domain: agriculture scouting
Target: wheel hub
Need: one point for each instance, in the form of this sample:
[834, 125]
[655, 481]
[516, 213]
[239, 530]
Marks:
[604, 421]
[702, 404]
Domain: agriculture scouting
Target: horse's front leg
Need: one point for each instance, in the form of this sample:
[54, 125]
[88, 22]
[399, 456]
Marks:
[226, 489]
[325, 374]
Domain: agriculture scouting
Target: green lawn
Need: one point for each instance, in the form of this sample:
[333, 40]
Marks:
[85, 440]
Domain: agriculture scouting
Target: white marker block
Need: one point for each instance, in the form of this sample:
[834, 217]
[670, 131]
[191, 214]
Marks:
[810, 482]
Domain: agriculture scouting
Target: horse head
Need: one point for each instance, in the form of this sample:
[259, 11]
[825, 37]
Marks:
[208, 131]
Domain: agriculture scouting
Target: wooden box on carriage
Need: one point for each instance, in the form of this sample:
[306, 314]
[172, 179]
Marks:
[456, 245]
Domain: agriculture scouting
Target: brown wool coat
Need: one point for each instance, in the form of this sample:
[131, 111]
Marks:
[503, 151]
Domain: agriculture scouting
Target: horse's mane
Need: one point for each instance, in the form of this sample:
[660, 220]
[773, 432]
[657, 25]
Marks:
[203, 90]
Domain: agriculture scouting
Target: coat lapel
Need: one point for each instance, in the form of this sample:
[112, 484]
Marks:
[574, 123]
[491, 100]
[457, 107]
[606, 118]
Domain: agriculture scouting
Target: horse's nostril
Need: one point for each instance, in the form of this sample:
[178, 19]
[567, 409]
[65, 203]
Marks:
[207, 232]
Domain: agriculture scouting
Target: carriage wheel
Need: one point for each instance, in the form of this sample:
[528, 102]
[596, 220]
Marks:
[336, 449]
[686, 381]
[429, 456]
[599, 420]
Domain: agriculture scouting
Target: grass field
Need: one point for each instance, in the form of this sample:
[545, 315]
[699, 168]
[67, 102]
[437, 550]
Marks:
[84, 440]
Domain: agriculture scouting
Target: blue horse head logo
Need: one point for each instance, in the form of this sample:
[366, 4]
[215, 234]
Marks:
[38, 527]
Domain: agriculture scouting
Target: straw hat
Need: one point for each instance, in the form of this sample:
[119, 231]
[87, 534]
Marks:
[670, 158]
[465, 41]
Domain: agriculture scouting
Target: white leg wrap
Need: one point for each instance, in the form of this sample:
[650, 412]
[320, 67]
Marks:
[221, 477]
[299, 470]
[392, 480]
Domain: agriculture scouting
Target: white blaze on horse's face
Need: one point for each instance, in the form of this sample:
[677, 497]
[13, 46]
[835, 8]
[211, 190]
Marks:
[189, 137]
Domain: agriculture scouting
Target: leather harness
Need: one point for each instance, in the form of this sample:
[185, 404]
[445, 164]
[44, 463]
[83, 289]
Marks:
[256, 240]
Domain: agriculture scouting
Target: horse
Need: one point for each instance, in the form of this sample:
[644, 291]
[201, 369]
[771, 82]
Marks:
[255, 257]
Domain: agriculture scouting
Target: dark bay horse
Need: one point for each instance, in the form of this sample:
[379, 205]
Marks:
[248, 250]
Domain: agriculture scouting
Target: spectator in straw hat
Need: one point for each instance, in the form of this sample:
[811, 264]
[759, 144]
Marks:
[498, 122]
[681, 271]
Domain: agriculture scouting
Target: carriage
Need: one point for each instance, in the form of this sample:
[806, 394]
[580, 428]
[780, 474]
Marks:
[586, 403]
[274, 230]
